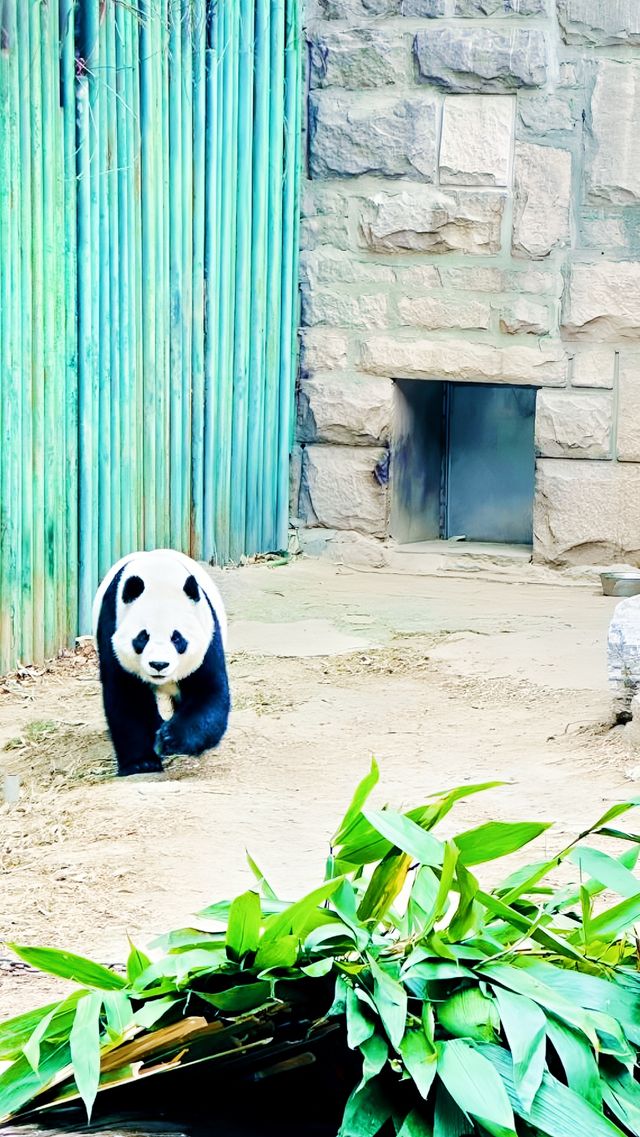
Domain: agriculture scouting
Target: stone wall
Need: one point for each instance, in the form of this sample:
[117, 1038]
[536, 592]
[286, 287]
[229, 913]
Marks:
[471, 211]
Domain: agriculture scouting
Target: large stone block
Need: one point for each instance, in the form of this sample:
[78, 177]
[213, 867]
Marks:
[334, 266]
[599, 22]
[550, 113]
[352, 10]
[534, 280]
[475, 279]
[629, 407]
[488, 59]
[424, 9]
[613, 169]
[602, 301]
[389, 135]
[343, 309]
[345, 487]
[526, 317]
[433, 312]
[322, 349]
[586, 512]
[461, 360]
[541, 214]
[325, 218]
[574, 424]
[593, 367]
[433, 221]
[358, 58]
[477, 133]
[348, 409]
[499, 8]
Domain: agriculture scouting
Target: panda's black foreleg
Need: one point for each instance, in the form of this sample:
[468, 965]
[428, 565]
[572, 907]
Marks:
[133, 720]
[202, 711]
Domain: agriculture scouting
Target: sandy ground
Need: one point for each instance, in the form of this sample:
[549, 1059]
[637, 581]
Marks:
[446, 680]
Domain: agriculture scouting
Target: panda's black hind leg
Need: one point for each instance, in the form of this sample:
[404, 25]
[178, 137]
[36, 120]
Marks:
[130, 705]
[202, 711]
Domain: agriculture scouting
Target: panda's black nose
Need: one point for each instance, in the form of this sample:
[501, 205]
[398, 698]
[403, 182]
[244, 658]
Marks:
[158, 666]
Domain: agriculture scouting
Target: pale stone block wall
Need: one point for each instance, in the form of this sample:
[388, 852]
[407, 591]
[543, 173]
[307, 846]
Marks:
[471, 211]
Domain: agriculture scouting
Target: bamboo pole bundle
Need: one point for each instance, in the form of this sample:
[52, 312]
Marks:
[147, 291]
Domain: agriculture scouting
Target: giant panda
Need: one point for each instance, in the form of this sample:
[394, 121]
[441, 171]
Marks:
[160, 629]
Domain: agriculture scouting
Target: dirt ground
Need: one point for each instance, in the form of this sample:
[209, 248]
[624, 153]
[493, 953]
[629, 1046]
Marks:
[446, 679]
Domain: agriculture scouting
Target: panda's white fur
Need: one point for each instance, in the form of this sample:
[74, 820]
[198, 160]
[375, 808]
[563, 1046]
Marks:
[162, 609]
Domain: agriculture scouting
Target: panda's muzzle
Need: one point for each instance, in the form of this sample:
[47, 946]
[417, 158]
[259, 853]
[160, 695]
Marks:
[158, 667]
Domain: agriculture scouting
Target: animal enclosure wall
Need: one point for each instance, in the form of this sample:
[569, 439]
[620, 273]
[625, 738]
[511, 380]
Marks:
[149, 157]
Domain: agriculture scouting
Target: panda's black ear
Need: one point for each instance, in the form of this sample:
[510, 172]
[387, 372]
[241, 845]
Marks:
[133, 588]
[191, 588]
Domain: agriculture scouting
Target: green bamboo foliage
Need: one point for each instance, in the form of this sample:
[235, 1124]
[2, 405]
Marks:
[149, 173]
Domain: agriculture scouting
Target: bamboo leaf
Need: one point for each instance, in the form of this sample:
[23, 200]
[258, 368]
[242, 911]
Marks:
[556, 1110]
[448, 1119]
[366, 1112]
[525, 1026]
[622, 1095]
[578, 1061]
[277, 954]
[363, 790]
[616, 920]
[496, 839]
[606, 870]
[243, 929]
[84, 1042]
[136, 963]
[419, 1057]
[469, 1014]
[265, 887]
[390, 998]
[475, 1087]
[360, 1026]
[415, 1125]
[385, 885]
[66, 965]
[522, 982]
[300, 918]
[375, 1053]
[238, 1000]
[16, 1032]
[404, 834]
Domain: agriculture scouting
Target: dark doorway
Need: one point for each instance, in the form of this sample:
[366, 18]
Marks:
[463, 462]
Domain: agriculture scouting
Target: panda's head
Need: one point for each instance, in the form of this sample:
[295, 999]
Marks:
[164, 623]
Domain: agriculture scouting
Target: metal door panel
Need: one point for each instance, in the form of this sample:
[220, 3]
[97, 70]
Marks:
[490, 463]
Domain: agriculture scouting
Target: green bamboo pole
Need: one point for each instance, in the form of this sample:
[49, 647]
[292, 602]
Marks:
[65, 632]
[10, 252]
[100, 158]
[212, 261]
[159, 42]
[176, 269]
[49, 391]
[26, 520]
[136, 179]
[274, 270]
[149, 144]
[5, 287]
[289, 321]
[256, 385]
[243, 281]
[67, 67]
[186, 103]
[37, 392]
[109, 94]
[126, 364]
[197, 321]
[228, 130]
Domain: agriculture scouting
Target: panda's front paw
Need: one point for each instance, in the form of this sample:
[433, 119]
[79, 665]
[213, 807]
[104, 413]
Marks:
[167, 743]
[146, 766]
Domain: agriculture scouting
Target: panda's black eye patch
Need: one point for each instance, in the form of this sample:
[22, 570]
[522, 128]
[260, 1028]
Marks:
[179, 643]
[140, 642]
[191, 588]
[133, 588]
